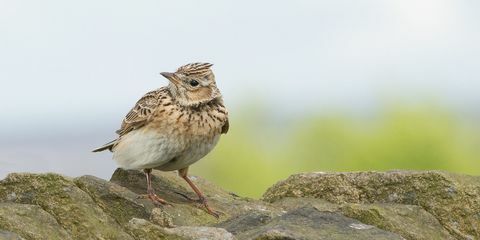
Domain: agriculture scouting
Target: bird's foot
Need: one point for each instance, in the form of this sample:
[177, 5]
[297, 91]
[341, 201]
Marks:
[157, 201]
[211, 211]
[202, 201]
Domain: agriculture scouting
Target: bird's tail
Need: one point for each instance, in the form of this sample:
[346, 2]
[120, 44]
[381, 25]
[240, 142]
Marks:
[106, 146]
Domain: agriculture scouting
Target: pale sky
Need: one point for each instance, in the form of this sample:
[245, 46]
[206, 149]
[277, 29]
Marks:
[75, 64]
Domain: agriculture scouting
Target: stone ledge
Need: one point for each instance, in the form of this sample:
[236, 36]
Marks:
[359, 205]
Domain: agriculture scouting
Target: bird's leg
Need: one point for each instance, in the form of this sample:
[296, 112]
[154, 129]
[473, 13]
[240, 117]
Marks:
[201, 198]
[150, 192]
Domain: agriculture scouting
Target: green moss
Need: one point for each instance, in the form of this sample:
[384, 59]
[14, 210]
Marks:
[60, 197]
[450, 198]
[411, 222]
[30, 221]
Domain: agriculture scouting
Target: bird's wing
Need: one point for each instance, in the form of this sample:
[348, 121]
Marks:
[142, 112]
[222, 111]
[225, 127]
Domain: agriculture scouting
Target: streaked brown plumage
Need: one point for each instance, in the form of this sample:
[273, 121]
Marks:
[172, 127]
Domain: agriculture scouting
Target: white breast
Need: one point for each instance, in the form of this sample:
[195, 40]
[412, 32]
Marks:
[197, 149]
[145, 149]
[149, 149]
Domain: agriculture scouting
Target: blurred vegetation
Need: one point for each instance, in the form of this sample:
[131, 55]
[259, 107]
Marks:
[258, 151]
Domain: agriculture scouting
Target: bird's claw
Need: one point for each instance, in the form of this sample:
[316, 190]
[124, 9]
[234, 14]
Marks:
[202, 201]
[156, 200]
[214, 213]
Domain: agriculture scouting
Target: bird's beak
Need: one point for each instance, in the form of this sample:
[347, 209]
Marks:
[170, 77]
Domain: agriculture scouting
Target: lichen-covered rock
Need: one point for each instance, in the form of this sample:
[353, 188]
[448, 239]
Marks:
[452, 199]
[410, 221]
[309, 223]
[391, 205]
[6, 235]
[199, 233]
[161, 218]
[246, 222]
[73, 209]
[117, 201]
[31, 221]
[184, 212]
[292, 203]
[145, 230]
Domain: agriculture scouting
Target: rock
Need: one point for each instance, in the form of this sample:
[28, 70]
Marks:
[410, 221]
[31, 221]
[245, 222]
[73, 209]
[185, 213]
[367, 205]
[454, 200]
[291, 203]
[6, 235]
[117, 201]
[161, 218]
[309, 223]
[143, 229]
[200, 233]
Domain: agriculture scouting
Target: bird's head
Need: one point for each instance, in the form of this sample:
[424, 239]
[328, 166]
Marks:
[193, 84]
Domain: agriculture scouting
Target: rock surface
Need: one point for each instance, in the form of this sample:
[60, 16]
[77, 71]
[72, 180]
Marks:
[362, 205]
[391, 199]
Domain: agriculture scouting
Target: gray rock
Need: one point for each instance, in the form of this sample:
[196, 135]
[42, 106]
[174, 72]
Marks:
[117, 201]
[31, 221]
[369, 205]
[72, 208]
[183, 212]
[451, 198]
[200, 233]
[6, 235]
[246, 222]
[410, 221]
[309, 223]
[145, 230]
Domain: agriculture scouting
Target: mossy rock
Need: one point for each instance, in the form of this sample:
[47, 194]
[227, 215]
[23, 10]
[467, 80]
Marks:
[366, 205]
[309, 223]
[31, 220]
[57, 195]
[410, 221]
[454, 200]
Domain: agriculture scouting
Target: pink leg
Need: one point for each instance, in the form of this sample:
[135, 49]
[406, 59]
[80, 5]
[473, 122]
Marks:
[201, 198]
[150, 192]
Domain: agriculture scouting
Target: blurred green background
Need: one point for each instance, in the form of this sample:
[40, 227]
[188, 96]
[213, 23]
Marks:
[258, 151]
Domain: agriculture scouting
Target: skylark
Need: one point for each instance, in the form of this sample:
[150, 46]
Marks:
[172, 127]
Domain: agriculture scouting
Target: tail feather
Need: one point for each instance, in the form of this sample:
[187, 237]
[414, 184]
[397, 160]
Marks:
[106, 146]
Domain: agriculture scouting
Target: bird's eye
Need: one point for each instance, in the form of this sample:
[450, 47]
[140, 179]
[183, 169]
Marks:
[193, 83]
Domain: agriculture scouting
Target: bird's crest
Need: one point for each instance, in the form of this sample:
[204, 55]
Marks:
[195, 68]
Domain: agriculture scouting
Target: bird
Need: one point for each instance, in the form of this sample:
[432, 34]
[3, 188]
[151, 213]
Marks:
[172, 127]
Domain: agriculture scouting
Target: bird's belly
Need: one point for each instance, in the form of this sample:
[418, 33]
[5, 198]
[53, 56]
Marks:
[146, 149]
[196, 150]
[150, 149]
